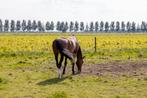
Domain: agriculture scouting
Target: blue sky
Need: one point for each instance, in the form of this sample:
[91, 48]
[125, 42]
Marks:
[81, 10]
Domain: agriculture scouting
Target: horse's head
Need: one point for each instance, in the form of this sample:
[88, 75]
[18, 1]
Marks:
[79, 63]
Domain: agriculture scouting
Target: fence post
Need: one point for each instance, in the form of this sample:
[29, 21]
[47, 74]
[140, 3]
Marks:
[95, 44]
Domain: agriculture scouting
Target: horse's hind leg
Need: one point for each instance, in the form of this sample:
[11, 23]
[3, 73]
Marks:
[59, 66]
[56, 53]
[65, 64]
[56, 58]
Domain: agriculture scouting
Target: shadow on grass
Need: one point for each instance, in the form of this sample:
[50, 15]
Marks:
[56, 80]
[52, 81]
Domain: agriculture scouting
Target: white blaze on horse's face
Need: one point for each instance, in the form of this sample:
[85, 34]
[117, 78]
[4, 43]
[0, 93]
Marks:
[60, 73]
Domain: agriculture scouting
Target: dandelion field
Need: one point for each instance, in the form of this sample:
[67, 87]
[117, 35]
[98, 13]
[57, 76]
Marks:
[132, 46]
[28, 68]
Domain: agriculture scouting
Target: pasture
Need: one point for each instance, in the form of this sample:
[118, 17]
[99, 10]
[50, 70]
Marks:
[117, 70]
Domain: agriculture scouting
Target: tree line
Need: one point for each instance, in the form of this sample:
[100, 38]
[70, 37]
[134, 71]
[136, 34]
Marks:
[62, 26]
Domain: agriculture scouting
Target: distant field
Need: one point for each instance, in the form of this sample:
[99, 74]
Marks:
[117, 70]
[109, 46]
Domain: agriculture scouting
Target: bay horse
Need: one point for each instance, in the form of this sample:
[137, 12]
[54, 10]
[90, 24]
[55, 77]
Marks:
[68, 48]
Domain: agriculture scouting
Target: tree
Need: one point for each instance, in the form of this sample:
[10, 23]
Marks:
[29, 26]
[47, 26]
[91, 27]
[6, 26]
[106, 27]
[52, 26]
[12, 26]
[87, 28]
[133, 27]
[143, 26]
[96, 26]
[34, 25]
[81, 26]
[112, 26]
[128, 26]
[101, 26]
[71, 27]
[40, 27]
[122, 26]
[65, 27]
[58, 26]
[62, 27]
[1, 26]
[76, 26]
[24, 26]
[18, 25]
[117, 26]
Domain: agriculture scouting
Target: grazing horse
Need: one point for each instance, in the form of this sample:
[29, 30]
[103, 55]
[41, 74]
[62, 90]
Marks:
[68, 48]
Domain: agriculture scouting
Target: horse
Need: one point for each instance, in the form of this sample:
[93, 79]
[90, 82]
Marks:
[68, 48]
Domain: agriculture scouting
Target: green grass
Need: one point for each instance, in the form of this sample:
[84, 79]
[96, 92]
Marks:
[41, 85]
[35, 75]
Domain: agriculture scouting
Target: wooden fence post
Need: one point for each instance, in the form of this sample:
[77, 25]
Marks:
[95, 44]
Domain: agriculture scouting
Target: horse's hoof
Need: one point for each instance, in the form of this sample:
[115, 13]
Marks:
[59, 77]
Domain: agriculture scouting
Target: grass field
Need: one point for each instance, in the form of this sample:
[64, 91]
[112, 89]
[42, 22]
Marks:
[117, 70]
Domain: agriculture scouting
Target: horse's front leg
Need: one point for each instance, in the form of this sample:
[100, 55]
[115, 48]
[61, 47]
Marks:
[73, 71]
[73, 65]
[60, 67]
[65, 64]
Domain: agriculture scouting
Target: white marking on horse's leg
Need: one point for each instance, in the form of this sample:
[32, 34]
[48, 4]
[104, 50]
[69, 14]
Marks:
[60, 73]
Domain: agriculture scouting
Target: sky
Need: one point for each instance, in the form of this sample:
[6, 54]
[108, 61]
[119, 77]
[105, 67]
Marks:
[72, 10]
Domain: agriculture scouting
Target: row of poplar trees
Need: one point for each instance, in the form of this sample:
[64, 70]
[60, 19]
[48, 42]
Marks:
[50, 26]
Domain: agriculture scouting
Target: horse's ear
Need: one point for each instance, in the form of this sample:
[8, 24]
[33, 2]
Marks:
[83, 57]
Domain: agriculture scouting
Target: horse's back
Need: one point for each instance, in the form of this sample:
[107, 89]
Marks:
[70, 43]
[61, 46]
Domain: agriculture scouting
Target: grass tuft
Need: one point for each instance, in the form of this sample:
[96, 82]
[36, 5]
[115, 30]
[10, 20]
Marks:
[59, 95]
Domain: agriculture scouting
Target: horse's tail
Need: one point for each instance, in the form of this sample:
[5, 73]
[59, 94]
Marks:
[58, 47]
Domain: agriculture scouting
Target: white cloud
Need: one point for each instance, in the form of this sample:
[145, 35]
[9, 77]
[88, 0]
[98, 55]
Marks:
[84, 10]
